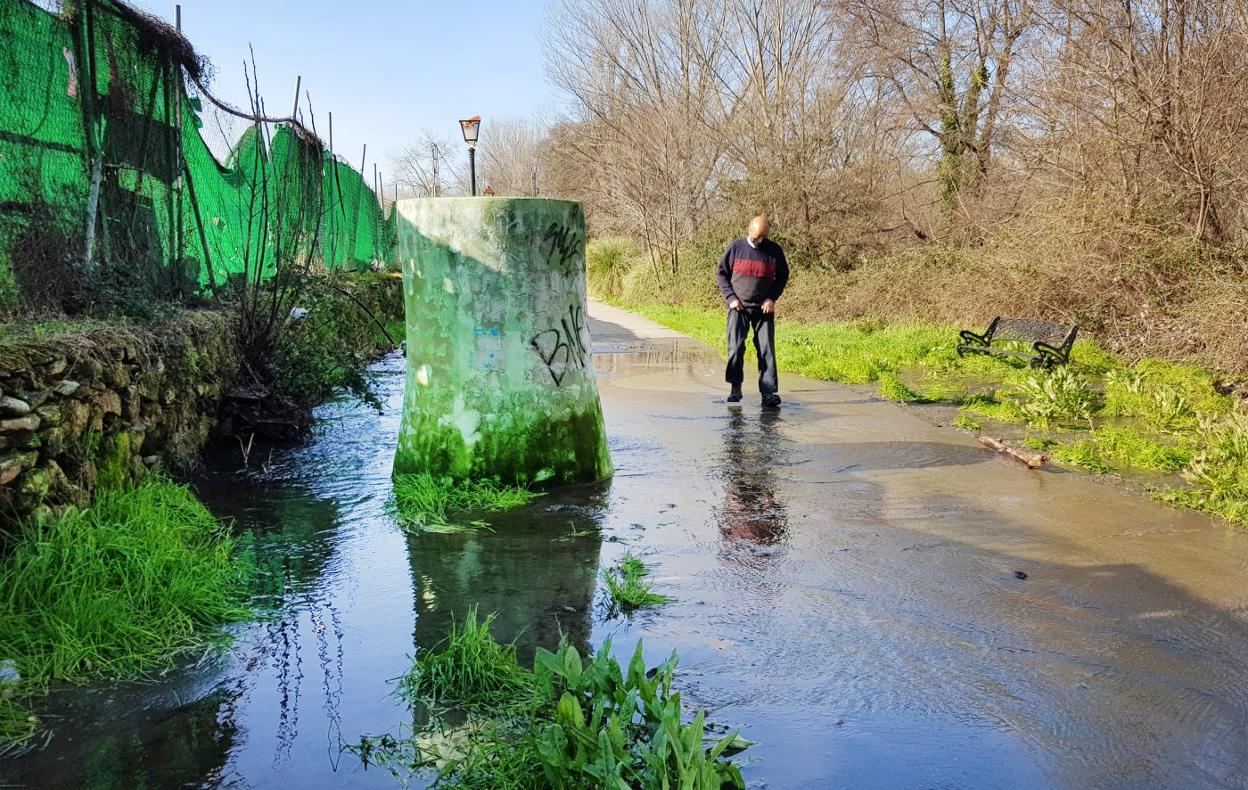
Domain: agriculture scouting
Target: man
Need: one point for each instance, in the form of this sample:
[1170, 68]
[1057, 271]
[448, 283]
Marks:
[752, 276]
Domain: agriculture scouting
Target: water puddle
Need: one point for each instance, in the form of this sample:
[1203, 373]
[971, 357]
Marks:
[845, 593]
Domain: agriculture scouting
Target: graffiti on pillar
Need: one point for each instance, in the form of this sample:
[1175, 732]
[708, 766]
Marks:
[562, 347]
[561, 245]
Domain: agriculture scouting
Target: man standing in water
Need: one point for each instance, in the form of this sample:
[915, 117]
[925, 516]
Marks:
[751, 276]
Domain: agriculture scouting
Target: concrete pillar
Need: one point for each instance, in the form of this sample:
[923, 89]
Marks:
[500, 383]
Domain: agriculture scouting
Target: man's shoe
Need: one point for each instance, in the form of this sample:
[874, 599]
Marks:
[771, 401]
[734, 397]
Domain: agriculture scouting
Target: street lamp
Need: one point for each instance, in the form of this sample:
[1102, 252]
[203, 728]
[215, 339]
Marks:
[471, 128]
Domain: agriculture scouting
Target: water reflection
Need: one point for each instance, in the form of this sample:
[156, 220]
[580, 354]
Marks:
[537, 570]
[751, 511]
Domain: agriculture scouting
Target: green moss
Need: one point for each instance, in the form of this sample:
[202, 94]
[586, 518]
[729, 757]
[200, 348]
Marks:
[113, 462]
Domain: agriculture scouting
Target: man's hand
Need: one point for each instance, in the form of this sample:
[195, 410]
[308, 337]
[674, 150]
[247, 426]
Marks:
[735, 304]
[769, 307]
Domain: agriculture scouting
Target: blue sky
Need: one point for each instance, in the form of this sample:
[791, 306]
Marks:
[386, 69]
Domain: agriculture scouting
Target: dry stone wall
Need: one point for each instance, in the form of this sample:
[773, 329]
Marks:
[100, 406]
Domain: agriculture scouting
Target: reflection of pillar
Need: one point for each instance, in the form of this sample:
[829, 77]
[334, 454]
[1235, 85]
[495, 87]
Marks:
[539, 576]
[751, 510]
[499, 380]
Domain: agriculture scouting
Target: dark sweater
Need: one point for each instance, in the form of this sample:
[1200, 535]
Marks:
[752, 274]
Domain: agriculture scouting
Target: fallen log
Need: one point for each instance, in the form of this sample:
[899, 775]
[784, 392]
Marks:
[1032, 460]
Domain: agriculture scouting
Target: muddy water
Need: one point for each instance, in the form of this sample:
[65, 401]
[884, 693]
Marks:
[845, 576]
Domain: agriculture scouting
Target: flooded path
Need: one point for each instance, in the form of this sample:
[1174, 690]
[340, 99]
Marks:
[845, 576]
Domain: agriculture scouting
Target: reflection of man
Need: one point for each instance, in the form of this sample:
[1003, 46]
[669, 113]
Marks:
[751, 276]
[751, 510]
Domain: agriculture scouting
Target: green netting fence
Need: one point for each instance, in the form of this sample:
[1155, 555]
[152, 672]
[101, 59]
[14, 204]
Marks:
[104, 166]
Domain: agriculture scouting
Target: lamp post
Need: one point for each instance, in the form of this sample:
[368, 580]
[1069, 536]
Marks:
[471, 128]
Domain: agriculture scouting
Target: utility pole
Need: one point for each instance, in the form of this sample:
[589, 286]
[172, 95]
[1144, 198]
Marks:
[437, 185]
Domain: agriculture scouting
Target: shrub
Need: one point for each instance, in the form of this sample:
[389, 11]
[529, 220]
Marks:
[607, 261]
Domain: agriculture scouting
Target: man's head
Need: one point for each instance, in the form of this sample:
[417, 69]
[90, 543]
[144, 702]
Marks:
[759, 226]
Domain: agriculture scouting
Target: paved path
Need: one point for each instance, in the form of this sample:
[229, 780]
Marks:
[846, 576]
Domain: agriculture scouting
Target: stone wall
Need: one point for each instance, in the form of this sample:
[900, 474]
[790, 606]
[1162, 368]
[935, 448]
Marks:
[101, 405]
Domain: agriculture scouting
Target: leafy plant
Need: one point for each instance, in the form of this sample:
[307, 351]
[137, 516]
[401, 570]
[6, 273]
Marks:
[1056, 397]
[627, 585]
[1218, 471]
[572, 724]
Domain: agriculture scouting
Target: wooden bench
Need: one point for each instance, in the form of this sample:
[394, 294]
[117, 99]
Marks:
[1050, 341]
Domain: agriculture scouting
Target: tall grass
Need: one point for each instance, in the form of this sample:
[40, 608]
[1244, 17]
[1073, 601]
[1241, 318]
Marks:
[607, 262]
[569, 723]
[425, 501]
[115, 591]
[120, 588]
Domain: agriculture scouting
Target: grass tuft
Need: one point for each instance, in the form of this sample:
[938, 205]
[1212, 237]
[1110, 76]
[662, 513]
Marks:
[967, 423]
[423, 501]
[627, 585]
[468, 668]
[1082, 454]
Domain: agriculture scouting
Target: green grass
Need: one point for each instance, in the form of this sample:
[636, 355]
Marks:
[627, 586]
[17, 723]
[117, 590]
[569, 723]
[1082, 454]
[893, 388]
[469, 668]
[967, 423]
[426, 502]
[1218, 472]
[1152, 415]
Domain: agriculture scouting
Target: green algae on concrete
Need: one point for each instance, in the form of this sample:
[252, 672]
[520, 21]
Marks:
[500, 383]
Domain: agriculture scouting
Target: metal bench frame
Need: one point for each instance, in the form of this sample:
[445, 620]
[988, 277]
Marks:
[1051, 342]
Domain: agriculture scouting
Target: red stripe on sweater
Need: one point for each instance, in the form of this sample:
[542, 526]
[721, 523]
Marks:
[753, 267]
